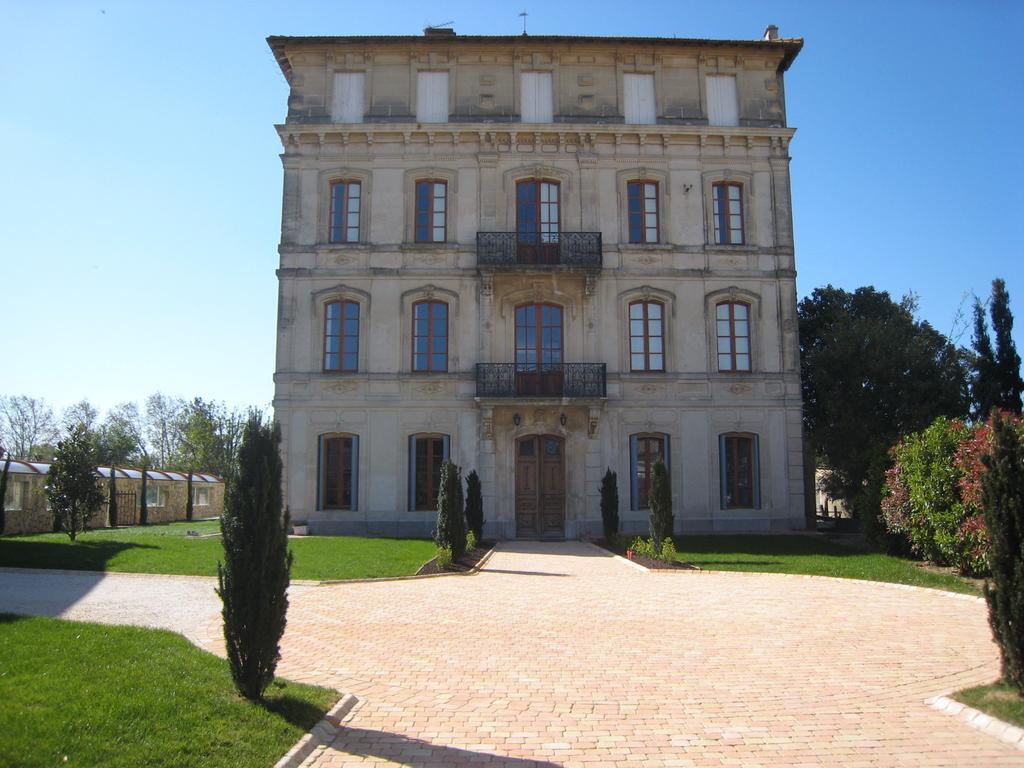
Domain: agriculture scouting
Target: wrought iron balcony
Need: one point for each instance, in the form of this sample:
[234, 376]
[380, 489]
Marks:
[553, 249]
[546, 380]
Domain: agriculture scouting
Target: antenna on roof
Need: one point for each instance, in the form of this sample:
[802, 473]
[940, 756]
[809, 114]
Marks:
[524, 14]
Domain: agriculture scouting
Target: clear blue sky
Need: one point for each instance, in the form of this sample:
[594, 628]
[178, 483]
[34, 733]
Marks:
[141, 185]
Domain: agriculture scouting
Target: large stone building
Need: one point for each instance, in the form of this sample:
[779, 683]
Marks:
[541, 257]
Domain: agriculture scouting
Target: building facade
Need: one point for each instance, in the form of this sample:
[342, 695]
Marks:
[541, 257]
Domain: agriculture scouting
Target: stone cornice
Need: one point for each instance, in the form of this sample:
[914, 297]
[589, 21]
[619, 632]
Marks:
[494, 136]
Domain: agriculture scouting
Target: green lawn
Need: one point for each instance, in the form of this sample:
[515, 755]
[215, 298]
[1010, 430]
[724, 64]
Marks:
[167, 549]
[811, 555]
[998, 700]
[80, 694]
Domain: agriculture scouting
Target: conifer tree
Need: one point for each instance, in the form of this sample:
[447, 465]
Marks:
[1003, 500]
[71, 488]
[3, 487]
[112, 497]
[253, 579]
[451, 527]
[659, 497]
[984, 388]
[189, 505]
[610, 503]
[143, 503]
[474, 505]
[1007, 360]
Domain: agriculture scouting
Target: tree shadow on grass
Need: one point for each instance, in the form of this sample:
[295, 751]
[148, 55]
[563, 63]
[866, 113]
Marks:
[296, 711]
[81, 555]
[417, 753]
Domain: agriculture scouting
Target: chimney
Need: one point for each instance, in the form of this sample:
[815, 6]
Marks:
[771, 32]
[438, 32]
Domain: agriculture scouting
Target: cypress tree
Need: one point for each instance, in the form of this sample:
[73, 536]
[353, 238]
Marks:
[659, 497]
[984, 388]
[143, 504]
[253, 579]
[3, 488]
[610, 503]
[451, 528]
[189, 507]
[1007, 361]
[474, 505]
[1003, 500]
[112, 495]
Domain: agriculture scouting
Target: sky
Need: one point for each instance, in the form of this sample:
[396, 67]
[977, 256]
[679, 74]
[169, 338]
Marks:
[140, 194]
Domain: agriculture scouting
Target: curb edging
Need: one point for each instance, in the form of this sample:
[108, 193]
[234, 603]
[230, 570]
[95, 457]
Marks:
[993, 726]
[323, 733]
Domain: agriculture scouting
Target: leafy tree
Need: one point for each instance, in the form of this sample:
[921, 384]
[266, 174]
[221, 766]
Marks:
[659, 496]
[1003, 500]
[208, 436]
[610, 503]
[474, 505]
[253, 579]
[162, 414]
[451, 530]
[995, 374]
[71, 487]
[870, 373]
[26, 423]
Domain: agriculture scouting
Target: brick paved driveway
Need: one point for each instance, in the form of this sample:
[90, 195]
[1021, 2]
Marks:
[562, 655]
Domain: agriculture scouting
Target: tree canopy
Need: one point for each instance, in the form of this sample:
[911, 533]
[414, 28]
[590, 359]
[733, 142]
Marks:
[870, 373]
[995, 371]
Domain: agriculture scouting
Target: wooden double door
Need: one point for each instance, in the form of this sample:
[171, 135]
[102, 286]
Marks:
[540, 487]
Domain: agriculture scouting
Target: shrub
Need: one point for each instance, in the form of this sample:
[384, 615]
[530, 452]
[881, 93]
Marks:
[474, 506]
[443, 558]
[1003, 499]
[642, 547]
[451, 532]
[668, 550]
[610, 504]
[471, 542]
[253, 580]
[659, 496]
[71, 487]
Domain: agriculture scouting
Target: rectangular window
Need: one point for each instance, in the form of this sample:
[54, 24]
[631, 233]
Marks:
[644, 452]
[431, 211]
[430, 336]
[642, 211]
[341, 336]
[432, 97]
[426, 455]
[738, 456]
[732, 322]
[348, 97]
[537, 100]
[346, 197]
[638, 95]
[339, 462]
[156, 495]
[723, 107]
[646, 336]
[200, 496]
[14, 500]
[727, 210]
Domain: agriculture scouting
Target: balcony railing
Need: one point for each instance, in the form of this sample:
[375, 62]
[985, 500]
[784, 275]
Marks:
[546, 380]
[512, 249]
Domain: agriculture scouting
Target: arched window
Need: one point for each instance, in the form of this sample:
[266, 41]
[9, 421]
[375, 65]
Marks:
[341, 336]
[338, 474]
[647, 336]
[644, 452]
[346, 199]
[732, 324]
[739, 462]
[426, 455]
[430, 336]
